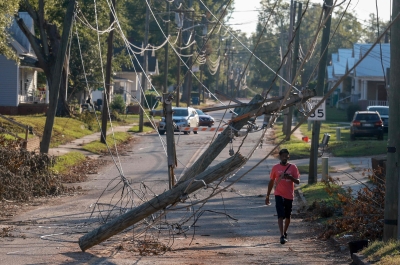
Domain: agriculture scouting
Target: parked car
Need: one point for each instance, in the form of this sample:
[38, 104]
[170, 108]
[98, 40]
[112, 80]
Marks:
[205, 119]
[182, 117]
[383, 112]
[366, 123]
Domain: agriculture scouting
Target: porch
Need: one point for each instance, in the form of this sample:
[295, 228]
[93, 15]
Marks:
[34, 96]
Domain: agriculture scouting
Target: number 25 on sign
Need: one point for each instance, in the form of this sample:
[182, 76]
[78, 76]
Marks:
[319, 114]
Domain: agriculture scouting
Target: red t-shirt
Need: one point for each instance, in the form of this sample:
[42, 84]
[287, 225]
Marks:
[285, 187]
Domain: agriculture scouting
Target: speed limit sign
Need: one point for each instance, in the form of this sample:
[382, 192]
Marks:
[319, 114]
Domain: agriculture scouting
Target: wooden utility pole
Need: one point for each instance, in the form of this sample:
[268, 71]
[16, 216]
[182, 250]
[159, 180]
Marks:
[166, 52]
[106, 96]
[313, 173]
[144, 73]
[295, 57]
[287, 126]
[178, 73]
[171, 152]
[190, 74]
[196, 176]
[160, 202]
[391, 213]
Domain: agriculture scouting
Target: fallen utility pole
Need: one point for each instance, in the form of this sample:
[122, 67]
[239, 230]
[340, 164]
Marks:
[170, 197]
[244, 115]
[196, 176]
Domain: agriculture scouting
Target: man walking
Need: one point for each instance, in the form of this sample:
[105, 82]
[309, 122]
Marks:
[282, 177]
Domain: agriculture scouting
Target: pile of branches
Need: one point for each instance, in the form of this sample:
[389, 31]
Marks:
[360, 215]
[25, 175]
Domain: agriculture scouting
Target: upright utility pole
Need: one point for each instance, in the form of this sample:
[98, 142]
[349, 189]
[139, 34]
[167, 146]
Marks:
[178, 73]
[287, 121]
[281, 57]
[144, 73]
[294, 63]
[391, 214]
[313, 175]
[190, 77]
[106, 96]
[166, 53]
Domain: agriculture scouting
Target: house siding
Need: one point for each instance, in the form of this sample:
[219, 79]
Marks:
[9, 82]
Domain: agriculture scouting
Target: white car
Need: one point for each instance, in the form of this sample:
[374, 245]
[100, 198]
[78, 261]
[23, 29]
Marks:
[383, 112]
[182, 117]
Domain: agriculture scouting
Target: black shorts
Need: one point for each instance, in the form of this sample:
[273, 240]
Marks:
[283, 207]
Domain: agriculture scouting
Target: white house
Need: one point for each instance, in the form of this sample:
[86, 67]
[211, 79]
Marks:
[18, 82]
[366, 83]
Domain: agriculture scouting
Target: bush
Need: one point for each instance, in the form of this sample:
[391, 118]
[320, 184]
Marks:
[89, 118]
[118, 104]
[151, 101]
[351, 109]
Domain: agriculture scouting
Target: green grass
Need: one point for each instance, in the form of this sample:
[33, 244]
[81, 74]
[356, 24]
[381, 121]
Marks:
[135, 129]
[298, 149]
[345, 147]
[304, 169]
[98, 148]
[383, 253]
[65, 161]
[317, 192]
[335, 115]
[64, 130]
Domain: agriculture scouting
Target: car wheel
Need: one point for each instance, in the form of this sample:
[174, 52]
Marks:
[352, 137]
[186, 132]
[195, 132]
[162, 132]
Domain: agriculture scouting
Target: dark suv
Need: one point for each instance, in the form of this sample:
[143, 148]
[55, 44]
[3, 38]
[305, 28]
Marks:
[366, 123]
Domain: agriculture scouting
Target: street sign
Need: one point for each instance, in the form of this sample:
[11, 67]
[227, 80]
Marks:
[320, 113]
[100, 89]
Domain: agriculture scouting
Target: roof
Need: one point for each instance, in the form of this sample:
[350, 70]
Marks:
[339, 61]
[375, 63]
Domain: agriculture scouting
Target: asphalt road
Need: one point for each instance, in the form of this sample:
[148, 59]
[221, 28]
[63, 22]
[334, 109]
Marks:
[233, 227]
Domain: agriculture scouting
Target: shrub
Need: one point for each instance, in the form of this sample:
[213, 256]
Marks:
[351, 109]
[118, 104]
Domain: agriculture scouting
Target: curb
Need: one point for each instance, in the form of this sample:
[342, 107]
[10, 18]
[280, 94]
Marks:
[359, 259]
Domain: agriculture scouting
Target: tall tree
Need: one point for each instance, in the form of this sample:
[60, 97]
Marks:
[50, 49]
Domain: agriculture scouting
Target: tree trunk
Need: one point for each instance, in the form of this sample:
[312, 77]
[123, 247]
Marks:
[55, 78]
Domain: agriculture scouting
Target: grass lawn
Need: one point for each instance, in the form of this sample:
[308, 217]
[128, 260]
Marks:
[65, 161]
[303, 169]
[135, 129]
[317, 192]
[98, 147]
[383, 253]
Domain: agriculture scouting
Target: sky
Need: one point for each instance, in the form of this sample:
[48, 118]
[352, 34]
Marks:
[246, 11]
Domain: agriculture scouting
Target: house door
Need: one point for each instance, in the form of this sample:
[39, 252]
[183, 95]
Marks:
[382, 94]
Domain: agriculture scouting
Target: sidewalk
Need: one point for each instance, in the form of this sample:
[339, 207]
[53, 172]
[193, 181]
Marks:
[76, 145]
